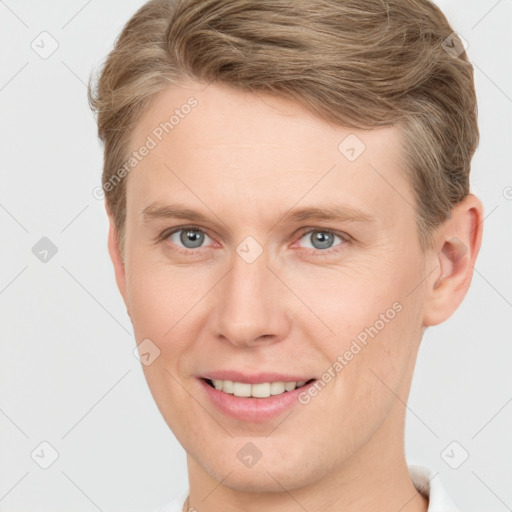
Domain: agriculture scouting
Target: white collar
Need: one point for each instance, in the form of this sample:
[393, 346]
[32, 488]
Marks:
[429, 484]
[424, 479]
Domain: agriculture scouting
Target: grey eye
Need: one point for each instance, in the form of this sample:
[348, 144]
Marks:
[189, 238]
[320, 239]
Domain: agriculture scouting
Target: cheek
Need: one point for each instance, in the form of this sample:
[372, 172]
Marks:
[161, 298]
[151, 308]
[377, 321]
[363, 301]
[161, 302]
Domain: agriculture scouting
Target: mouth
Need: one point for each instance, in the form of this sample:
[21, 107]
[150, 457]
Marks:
[253, 398]
[257, 390]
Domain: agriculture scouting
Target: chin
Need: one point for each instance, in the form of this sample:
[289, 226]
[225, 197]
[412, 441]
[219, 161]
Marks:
[272, 473]
[261, 480]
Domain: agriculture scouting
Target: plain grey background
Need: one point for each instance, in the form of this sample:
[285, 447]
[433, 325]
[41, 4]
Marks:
[69, 378]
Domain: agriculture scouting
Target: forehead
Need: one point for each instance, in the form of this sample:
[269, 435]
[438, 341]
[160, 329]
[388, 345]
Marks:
[253, 150]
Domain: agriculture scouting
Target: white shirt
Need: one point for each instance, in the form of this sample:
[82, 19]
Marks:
[424, 479]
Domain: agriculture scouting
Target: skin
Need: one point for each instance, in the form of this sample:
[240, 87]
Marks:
[244, 160]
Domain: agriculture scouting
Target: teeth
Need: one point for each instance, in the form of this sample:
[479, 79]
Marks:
[290, 386]
[263, 390]
[228, 386]
[276, 388]
[242, 389]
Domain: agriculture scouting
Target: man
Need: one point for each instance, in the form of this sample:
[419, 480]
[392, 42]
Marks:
[287, 185]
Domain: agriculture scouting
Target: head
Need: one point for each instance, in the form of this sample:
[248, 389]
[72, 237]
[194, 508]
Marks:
[288, 193]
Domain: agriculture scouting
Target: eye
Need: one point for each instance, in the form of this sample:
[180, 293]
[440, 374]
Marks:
[193, 237]
[321, 239]
[190, 237]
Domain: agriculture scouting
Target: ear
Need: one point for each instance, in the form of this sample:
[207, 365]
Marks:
[457, 242]
[115, 256]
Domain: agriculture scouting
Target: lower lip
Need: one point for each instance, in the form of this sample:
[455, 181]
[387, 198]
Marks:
[255, 410]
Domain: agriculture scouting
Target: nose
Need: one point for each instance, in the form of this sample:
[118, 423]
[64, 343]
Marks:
[253, 306]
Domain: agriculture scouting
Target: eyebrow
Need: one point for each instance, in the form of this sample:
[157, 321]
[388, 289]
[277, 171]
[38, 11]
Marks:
[337, 213]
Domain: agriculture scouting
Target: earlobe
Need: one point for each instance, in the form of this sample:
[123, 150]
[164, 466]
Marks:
[117, 261]
[457, 243]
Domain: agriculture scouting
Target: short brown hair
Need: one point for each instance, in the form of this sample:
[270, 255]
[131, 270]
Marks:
[360, 64]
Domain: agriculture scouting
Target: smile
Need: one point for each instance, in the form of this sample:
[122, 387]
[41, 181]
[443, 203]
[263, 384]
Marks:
[259, 390]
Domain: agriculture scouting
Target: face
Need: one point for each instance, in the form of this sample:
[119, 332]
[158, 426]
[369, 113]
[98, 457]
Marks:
[266, 246]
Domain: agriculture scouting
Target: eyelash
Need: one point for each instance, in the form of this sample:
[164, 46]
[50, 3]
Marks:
[317, 252]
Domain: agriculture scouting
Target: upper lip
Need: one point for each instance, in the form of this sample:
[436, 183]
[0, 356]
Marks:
[254, 378]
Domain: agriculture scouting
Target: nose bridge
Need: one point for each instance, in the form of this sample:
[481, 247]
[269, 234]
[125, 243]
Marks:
[250, 308]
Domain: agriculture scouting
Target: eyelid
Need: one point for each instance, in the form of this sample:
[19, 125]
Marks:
[166, 233]
[306, 230]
